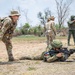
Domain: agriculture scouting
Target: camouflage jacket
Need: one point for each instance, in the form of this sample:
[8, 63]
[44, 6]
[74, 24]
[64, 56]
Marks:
[51, 56]
[7, 28]
[71, 25]
[50, 27]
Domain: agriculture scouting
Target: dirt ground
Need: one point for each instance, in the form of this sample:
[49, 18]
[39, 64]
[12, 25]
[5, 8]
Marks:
[29, 67]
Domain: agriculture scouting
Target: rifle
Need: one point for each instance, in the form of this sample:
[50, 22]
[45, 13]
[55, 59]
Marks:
[66, 52]
[63, 50]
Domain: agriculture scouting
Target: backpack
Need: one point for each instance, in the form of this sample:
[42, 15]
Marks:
[1, 22]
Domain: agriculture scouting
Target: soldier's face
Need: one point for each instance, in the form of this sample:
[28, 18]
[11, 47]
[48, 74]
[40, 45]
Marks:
[57, 49]
[53, 19]
[15, 18]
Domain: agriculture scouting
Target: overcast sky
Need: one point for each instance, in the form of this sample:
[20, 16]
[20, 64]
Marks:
[33, 7]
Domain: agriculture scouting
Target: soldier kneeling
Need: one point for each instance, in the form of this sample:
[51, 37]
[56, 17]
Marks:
[56, 53]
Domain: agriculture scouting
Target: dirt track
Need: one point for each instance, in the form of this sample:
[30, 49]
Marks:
[28, 67]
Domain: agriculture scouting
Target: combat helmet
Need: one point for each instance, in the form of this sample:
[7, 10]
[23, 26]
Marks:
[56, 44]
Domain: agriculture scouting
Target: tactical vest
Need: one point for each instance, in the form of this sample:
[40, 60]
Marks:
[10, 29]
[71, 26]
[12, 26]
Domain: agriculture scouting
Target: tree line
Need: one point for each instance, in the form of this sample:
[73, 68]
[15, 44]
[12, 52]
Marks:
[62, 7]
[37, 30]
[27, 29]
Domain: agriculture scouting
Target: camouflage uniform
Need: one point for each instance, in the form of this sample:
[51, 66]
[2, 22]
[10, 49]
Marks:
[7, 31]
[51, 55]
[50, 31]
[71, 25]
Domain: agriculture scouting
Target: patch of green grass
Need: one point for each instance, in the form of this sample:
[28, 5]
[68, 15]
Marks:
[28, 37]
[31, 68]
[37, 62]
[61, 37]
[1, 73]
[34, 38]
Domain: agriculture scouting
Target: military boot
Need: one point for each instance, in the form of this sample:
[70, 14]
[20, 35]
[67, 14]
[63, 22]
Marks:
[10, 55]
[11, 58]
[26, 57]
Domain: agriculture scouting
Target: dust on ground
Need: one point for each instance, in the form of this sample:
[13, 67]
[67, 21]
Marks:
[31, 67]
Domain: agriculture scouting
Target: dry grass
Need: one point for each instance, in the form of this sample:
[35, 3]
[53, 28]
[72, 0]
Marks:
[27, 67]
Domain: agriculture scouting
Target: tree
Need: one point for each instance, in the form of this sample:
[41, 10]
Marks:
[62, 10]
[25, 29]
[43, 18]
[25, 14]
[38, 30]
[31, 31]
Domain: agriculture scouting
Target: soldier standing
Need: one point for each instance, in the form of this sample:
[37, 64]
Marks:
[71, 25]
[50, 30]
[9, 24]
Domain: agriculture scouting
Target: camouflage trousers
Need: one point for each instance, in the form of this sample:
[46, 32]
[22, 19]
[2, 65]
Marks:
[50, 37]
[32, 58]
[8, 44]
[39, 57]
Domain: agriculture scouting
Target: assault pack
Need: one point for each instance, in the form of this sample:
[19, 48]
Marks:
[1, 22]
